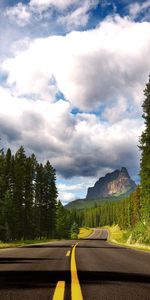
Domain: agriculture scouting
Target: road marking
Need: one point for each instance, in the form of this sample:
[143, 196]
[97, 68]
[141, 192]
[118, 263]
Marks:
[59, 291]
[76, 293]
[68, 253]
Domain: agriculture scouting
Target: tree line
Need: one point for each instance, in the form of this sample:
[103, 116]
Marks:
[125, 212]
[29, 207]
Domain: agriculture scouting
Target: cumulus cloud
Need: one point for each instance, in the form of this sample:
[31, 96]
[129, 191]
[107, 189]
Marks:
[90, 68]
[79, 16]
[77, 145]
[66, 197]
[67, 192]
[19, 13]
[44, 4]
[103, 69]
[72, 14]
[74, 187]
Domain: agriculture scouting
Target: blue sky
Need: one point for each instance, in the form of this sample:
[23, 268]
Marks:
[72, 75]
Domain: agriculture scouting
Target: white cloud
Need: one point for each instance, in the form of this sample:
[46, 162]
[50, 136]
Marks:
[136, 8]
[104, 68]
[66, 197]
[74, 187]
[79, 17]
[44, 4]
[76, 145]
[19, 13]
[118, 110]
[90, 68]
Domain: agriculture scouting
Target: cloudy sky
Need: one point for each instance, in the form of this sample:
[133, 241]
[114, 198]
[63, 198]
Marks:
[72, 75]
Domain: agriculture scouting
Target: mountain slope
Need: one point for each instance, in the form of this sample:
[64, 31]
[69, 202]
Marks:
[113, 186]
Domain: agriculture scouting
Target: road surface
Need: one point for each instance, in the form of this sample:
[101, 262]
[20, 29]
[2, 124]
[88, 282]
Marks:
[90, 269]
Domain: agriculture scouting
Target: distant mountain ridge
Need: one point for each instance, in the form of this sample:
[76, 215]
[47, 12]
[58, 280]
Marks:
[112, 184]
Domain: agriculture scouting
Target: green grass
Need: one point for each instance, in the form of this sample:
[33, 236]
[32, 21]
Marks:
[24, 243]
[84, 232]
[124, 237]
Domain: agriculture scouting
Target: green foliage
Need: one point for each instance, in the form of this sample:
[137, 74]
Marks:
[28, 197]
[90, 203]
[145, 157]
[75, 230]
[62, 223]
[125, 213]
[141, 233]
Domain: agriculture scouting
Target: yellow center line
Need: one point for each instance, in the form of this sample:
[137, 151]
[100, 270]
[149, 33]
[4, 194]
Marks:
[59, 291]
[68, 253]
[76, 293]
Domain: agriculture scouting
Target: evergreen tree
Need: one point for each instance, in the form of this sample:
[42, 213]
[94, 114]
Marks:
[19, 192]
[2, 194]
[29, 197]
[74, 230]
[7, 217]
[50, 199]
[135, 206]
[38, 207]
[62, 229]
[145, 157]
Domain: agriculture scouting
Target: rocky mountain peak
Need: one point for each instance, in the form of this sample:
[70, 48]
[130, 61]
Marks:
[125, 172]
[112, 184]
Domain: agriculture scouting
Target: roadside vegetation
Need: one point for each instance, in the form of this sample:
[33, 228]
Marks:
[85, 232]
[24, 243]
[127, 238]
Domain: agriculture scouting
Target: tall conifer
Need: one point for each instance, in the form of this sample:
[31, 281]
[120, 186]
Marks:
[145, 157]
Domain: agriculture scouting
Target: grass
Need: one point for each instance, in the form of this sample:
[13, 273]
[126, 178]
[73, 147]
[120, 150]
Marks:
[24, 243]
[84, 232]
[123, 237]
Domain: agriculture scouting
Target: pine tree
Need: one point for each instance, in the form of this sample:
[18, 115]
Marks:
[74, 230]
[50, 198]
[38, 206]
[62, 229]
[145, 157]
[2, 194]
[29, 197]
[19, 192]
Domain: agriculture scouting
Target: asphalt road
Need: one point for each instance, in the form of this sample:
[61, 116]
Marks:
[101, 270]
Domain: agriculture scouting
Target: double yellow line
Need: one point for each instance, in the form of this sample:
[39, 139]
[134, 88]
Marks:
[76, 293]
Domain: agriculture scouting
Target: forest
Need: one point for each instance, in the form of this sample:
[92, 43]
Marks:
[29, 207]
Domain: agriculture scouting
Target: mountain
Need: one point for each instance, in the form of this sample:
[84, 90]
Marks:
[113, 186]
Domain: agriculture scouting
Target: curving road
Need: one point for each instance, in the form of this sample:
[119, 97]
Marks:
[93, 269]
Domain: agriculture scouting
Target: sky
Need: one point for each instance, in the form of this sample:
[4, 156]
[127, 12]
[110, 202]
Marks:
[72, 75]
